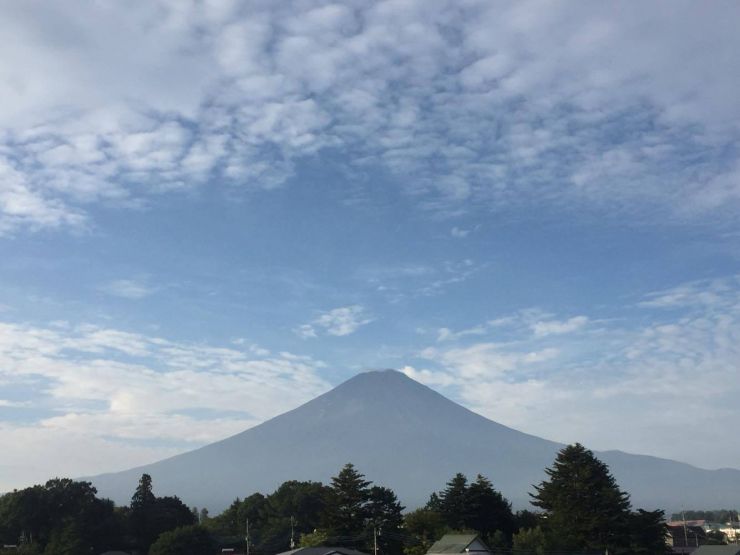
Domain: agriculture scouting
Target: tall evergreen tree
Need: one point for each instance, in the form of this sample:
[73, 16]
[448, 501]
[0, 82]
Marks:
[453, 502]
[144, 494]
[487, 511]
[345, 512]
[584, 507]
[648, 533]
[385, 517]
[150, 515]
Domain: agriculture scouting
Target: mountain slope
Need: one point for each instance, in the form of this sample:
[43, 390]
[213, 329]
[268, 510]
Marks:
[406, 436]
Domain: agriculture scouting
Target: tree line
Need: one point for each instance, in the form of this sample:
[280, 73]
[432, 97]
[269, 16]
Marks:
[717, 515]
[580, 508]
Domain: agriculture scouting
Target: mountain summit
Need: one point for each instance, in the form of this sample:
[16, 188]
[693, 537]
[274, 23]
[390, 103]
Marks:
[406, 436]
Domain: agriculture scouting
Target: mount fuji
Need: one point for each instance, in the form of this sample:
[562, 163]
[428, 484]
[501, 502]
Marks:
[403, 435]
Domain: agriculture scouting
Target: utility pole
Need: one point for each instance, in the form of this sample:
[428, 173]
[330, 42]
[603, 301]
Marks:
[292, 536]
[375, 540]
[247, 537]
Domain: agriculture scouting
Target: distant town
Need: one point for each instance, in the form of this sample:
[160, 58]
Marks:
[578, 508]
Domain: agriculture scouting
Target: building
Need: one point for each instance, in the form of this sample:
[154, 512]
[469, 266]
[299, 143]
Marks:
[323, 551]
[685, 539]
[459, 543]
[718, 550]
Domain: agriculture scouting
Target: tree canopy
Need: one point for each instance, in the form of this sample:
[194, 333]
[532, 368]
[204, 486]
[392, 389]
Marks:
[586, 510]
[475, 506]
[186, 540]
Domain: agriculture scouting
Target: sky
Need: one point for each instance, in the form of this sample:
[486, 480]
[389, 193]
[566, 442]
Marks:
[212, 211]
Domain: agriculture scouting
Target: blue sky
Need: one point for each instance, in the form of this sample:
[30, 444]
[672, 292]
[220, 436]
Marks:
[213, 211]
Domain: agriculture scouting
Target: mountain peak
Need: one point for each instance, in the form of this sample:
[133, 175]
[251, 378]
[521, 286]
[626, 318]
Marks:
[383, 387]
[386, 376]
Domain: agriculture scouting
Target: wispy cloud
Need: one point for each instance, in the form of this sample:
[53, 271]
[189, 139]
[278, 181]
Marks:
[536, 321]
[569, 379]
[557, 327]
[702, 293]
[109, 389]
[128, 289]
[338, 322]
[459, 233]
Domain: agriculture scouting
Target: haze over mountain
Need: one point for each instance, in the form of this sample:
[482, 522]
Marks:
[403, 435]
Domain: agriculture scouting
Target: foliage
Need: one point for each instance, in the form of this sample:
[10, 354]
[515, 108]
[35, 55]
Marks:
[526, 519]
[648, 532]
[717, 515]
[295, 507]
[314, 539]
[426, 526]
[585, 508]
[385, 514]
[452, 502]
[151, 516]
[529, 541]
[61, 516]
[488, 511]
[143, 495]
[476, 506]
[345, 514]
[186, 540]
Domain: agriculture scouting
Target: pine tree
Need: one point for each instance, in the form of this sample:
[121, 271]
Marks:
[385, 514]
[585, 509]
[487, 511]
[648, 532]
[144, 495]
[453, 502]
[345, 512]
[142, 507]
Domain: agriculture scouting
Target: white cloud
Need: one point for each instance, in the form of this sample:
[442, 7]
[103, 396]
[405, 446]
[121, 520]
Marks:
[556, 327]
[106, 103]
[487, 360]
[108, 390]
[429, 377]
[446, 334]
[677, 373]
[338, 322]
[128, 289]
[697, 294]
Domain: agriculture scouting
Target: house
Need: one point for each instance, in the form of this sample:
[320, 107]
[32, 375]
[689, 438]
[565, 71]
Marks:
[718, 550]
[685, 539]
[323, 551]
[459, 543]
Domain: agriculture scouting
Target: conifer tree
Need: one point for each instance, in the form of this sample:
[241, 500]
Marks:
[385, 515]
[487, 511]
[345, 512]
[453, 502]
[584, 507]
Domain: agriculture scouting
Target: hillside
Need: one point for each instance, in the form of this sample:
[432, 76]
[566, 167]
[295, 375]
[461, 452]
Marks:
[404, 435]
